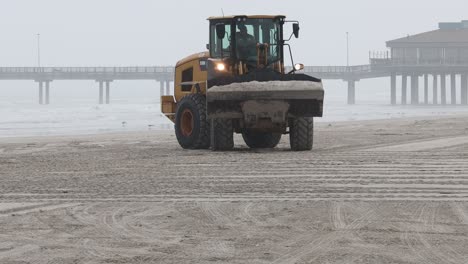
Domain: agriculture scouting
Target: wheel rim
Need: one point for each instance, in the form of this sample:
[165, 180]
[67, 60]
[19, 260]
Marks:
[186, 123]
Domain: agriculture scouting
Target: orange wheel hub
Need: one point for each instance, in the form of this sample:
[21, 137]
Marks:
[186, 123]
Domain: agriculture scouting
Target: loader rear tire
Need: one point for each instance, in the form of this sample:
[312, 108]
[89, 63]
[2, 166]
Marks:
[261, 139]
[192, 129]
[301, 133]
[222, 134]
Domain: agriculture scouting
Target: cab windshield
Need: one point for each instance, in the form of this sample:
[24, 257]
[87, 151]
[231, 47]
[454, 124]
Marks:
[251, 32]
[248, 33]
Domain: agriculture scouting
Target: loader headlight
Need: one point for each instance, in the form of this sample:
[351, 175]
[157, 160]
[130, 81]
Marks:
[220, 67]
[299, 66]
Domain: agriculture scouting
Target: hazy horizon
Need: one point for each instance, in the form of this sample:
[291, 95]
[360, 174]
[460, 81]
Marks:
[124, 32]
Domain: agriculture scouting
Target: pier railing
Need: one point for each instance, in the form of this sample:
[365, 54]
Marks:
[137, 69]
[86, 73]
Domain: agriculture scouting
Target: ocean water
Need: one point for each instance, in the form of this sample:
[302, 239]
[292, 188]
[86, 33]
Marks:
[135, 107]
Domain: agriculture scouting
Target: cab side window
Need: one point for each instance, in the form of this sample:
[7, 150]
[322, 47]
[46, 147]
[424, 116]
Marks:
[187, 76]
[220, 48]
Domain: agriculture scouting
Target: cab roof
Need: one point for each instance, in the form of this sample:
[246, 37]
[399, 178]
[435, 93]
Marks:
[247, 16]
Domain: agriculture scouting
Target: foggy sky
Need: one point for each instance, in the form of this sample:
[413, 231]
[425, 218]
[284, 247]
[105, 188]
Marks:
[145, 32]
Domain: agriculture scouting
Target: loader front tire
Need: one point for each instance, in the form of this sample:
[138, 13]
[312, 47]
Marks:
[222, 134]
[301, 133]
[192, 129]
[261, 139]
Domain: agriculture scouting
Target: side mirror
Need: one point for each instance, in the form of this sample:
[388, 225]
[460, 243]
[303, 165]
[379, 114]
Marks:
[220, 31]
[208, 46]
[296, 30]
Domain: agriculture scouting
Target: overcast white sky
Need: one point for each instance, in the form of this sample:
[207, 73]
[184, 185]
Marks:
[145, 32]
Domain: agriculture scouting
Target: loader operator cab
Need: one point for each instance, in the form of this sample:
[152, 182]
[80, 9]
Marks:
[256, 42]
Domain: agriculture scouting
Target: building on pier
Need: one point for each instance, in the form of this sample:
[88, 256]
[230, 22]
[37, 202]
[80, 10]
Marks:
[436, 58]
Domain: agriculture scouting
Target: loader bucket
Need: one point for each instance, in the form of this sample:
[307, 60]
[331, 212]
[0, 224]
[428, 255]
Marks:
[276, 95]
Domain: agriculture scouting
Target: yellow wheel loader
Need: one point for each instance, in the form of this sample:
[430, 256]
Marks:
[240, 85]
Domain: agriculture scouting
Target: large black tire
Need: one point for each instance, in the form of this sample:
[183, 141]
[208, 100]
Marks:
[301, 133]
[192, 129]
[222, 134]
[261, 140]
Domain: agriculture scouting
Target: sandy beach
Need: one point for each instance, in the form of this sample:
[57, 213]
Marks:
[386, 191]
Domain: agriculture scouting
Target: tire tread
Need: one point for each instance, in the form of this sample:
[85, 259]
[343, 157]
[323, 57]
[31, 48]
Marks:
[301, 133]
[222, 134]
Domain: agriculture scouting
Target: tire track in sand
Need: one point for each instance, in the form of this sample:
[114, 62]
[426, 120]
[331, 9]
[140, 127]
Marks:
[461, 212]
[416, 240]
[315, 246]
